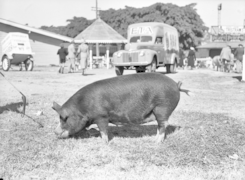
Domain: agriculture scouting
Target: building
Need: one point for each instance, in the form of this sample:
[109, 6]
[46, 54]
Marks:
[221, 36]
[44, 44]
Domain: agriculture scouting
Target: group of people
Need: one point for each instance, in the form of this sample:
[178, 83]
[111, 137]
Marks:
[229, 59]
[189, 60]
[75, 57]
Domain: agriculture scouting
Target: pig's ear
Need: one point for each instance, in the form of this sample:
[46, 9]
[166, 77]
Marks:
[56, 107]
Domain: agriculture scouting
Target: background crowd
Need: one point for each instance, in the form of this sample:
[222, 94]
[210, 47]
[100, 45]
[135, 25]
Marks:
[77, 59]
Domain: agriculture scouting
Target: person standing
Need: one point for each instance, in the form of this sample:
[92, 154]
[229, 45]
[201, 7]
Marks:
[62, 52]
[226, 57]
[191, 58]
[239, 52]
[181, 58]
[71, 56]
[83, 52]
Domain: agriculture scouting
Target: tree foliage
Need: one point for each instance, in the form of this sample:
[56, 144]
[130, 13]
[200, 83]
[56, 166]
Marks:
[73, 28]
[185, 19]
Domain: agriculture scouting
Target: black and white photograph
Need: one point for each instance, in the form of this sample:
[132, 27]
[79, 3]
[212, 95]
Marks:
[122, 90]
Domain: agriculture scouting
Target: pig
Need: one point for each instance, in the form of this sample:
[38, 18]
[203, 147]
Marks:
[127, 99]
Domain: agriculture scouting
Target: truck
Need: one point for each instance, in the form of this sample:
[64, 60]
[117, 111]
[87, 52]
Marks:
[16, 50]
[150, 45]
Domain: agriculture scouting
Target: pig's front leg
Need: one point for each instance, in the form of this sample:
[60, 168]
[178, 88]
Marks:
[103, 127]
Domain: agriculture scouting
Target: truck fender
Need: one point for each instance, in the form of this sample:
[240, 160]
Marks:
[151, 54]
[9, 55]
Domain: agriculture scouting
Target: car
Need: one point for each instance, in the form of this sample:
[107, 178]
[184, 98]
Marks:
[17, 50]
[150, 45]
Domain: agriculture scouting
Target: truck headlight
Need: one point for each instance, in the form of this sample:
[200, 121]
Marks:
[142, 53]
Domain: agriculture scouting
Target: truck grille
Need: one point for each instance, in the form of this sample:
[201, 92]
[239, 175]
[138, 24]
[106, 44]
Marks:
[130, 57]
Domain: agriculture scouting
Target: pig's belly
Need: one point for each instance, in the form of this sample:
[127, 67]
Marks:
[131, 117]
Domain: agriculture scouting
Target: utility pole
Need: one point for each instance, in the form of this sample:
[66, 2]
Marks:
[219, 15]
[96, 9]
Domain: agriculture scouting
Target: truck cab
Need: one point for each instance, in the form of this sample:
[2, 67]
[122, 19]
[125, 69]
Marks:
[17, 50]
[150, 45]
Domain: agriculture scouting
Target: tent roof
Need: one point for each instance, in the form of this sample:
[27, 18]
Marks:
[100, 32]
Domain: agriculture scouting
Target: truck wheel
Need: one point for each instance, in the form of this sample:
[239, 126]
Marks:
[29, 65]
[119, 70]
[6, 63]
[168, 68]
[152, 67]
[173, 67]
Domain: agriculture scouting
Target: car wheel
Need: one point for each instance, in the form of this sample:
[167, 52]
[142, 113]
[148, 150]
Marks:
[6, 63]
[119, 70]
[29, 65]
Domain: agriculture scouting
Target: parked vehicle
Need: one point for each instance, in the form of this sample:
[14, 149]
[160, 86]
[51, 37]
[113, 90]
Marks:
[150, 45]
[16, 50]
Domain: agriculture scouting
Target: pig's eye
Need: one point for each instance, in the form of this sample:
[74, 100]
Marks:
[63, 119]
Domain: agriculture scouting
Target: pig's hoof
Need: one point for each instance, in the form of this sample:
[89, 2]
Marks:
[160, 139]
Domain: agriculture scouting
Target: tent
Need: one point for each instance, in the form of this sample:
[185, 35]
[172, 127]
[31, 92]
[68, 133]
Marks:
[100, 33]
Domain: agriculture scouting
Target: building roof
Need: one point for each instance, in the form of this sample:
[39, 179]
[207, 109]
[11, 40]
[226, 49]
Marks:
[36, 30]
[219, 45]
[100, 32]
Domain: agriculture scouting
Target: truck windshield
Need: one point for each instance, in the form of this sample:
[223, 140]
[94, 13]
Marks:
[136, 39]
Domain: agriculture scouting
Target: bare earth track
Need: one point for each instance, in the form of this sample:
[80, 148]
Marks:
[205, 140]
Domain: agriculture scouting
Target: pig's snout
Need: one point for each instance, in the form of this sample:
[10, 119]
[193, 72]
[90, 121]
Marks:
[61, 133]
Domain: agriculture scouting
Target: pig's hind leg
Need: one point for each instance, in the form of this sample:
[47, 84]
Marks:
[162, 115]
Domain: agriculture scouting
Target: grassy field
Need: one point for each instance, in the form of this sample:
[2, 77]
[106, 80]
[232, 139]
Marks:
[205, 138]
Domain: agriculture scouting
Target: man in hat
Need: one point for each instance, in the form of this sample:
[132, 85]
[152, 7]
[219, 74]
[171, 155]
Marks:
[191, 58]
[226, 58]
[62, 52]
[239, 52]
[71, 56]
[83, 52]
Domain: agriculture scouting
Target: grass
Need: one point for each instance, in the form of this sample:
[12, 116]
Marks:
[211, 132]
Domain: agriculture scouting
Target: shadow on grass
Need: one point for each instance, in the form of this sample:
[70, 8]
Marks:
[239, 78]
[15, 107]
[162, 72]
[79, 72]
[128, 131]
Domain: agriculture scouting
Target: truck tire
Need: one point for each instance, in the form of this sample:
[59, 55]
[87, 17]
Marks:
[153, 66]
[168, 68]
[6, 63]
[119, 70]
[29, 65]
[173, 67]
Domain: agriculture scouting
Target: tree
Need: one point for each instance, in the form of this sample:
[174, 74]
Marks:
[185, 19]
[75, 26]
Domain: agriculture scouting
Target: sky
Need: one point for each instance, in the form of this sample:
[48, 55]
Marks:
[37, 13]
